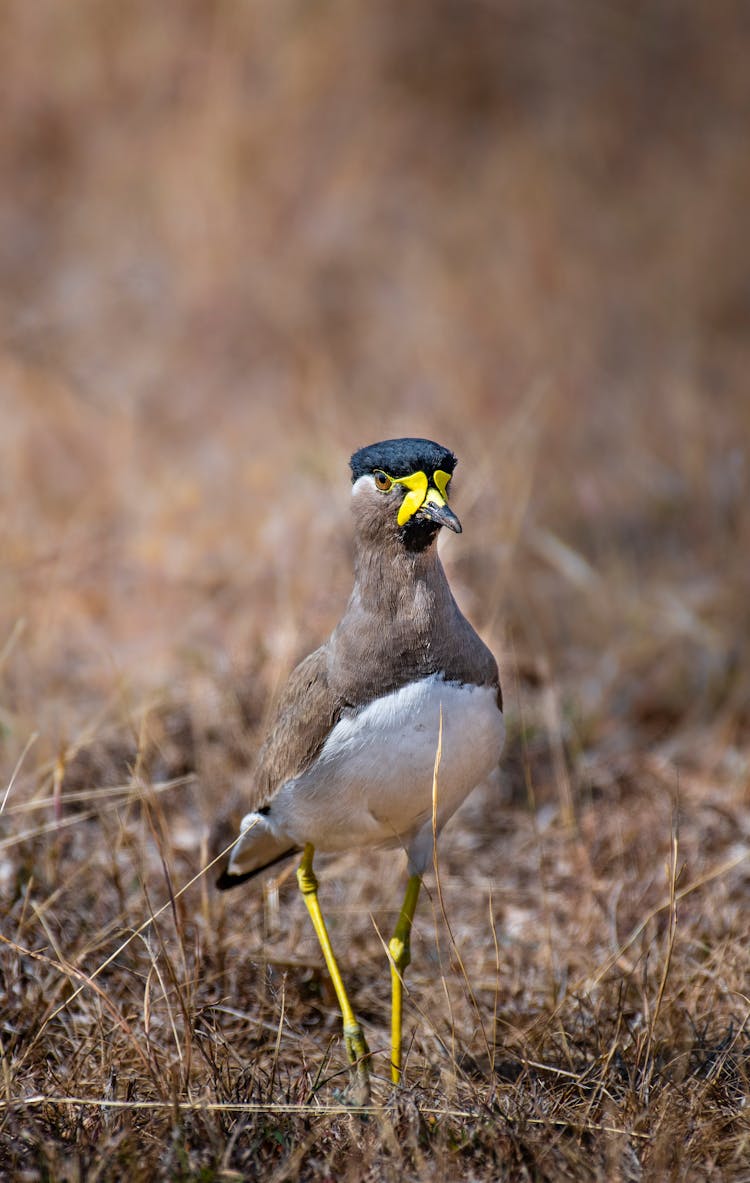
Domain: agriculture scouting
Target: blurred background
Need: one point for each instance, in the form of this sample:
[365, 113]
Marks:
[239, 240]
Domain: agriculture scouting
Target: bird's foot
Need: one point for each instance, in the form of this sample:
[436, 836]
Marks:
[358, 1054]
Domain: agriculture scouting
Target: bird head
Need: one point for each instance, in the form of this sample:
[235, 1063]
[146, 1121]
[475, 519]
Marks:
[401, 487]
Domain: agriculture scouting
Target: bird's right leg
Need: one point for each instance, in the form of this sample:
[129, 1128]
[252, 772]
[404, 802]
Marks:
[399, 950]
[356, 1045]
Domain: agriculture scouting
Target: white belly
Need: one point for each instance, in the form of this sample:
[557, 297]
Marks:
[373, 781]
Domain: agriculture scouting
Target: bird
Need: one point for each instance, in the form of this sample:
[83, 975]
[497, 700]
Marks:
[383, 731]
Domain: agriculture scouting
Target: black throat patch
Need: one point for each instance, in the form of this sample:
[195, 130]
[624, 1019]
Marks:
[418, 534]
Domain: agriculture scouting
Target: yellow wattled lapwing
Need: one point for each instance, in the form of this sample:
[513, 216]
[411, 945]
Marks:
[350, 758]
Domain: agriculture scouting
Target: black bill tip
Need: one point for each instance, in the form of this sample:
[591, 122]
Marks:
[442, 515]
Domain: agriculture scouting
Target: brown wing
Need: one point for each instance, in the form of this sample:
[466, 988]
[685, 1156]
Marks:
[307, 711]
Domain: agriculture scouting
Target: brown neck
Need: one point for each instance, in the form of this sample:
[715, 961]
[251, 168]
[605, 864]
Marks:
[402, 621]
[387, 576]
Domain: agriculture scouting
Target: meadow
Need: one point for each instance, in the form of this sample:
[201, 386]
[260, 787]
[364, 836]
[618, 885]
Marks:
[236, 243]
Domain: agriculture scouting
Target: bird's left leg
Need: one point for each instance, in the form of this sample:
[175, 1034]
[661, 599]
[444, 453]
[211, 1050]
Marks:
[399, 949]
[356, 1045]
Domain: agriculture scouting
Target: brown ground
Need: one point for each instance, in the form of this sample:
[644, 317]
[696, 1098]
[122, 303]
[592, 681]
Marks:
[236, 242]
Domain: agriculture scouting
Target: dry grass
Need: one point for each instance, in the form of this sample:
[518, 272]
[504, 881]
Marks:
[237, 242]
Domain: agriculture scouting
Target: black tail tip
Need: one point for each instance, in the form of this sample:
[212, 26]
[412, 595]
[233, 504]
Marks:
[225, 880]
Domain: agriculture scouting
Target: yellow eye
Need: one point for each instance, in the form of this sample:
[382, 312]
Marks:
[382, 481]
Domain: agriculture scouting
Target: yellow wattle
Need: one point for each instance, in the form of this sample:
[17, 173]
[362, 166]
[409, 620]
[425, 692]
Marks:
[440, 480]
[416, 483]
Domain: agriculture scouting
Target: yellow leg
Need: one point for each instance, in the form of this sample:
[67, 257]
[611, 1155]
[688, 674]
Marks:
[399, 948]
[356, 1045]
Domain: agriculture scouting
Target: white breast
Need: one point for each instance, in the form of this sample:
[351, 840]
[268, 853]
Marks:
[373, 781]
